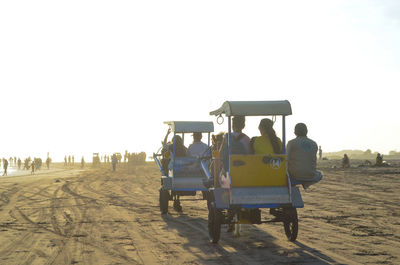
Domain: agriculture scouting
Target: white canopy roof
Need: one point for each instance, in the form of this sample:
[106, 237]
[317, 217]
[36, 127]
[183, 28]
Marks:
[190, 126]
[254, 108]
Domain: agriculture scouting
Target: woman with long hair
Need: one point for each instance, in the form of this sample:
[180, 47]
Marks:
[268, 142]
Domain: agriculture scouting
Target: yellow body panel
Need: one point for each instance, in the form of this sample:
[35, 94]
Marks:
[258, 170]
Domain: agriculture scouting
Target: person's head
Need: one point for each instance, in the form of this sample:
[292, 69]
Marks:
[265, 126]
[300, 129]
[197, 136]
[266, 130]
[238, 123]
[178, 140]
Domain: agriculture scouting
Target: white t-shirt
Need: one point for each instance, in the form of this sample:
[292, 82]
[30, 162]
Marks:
[198, 149]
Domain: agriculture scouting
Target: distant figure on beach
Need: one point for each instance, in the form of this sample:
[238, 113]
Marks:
[114, 160]
[69, 160]
[345, 161]
[302, 158]
[27, 163]
[73, 160]
[65, 161]
[19, 163]
[48, 161]
[82, 162]
[11, 160]
[379, 161]
[320, 152]
[33, 167]
[5, 166]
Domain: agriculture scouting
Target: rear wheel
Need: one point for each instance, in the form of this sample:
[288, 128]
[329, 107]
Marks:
[214, 223]
[291, 223]
[164, 198]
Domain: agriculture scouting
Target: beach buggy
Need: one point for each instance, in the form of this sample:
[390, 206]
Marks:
[181, 175]
[251, 181]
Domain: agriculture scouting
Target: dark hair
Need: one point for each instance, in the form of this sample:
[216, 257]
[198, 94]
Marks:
[266, 128]
[300, 129]
[197, 136]
[238, 122]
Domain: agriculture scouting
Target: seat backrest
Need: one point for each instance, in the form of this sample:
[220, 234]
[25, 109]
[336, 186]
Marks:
[258, 170]
[186, 167]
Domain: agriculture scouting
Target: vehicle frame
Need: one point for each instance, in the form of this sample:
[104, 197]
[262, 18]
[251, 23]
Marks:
[182, 176]
[252, 182]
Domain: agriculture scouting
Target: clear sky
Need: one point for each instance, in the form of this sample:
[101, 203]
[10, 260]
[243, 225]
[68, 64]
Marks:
[78, 77]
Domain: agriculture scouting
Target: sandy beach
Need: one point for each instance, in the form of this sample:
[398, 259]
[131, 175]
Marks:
[96, 216]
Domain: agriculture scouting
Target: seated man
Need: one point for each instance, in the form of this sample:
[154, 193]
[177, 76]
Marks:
[345, 161]
[302, 158]
[198, 148]
[379, 160]
[240, 142]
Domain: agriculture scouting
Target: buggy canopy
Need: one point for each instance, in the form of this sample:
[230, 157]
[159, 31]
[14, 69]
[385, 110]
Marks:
[254, 108]
[191, 126]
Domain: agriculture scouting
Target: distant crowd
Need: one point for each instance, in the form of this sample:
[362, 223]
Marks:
[29, 164]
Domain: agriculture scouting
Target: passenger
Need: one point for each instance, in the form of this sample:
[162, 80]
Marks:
[238, 123]
[240, 142]
[198, 148]
[345, 161]
[268, 142]
[302, 158]
[180, 149]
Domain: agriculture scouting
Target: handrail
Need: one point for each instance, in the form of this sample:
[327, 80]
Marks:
[158, 163]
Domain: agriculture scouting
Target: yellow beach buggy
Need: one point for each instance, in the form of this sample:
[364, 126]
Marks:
[251, 181]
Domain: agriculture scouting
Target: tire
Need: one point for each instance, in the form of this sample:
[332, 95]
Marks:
[291, 224]
[214, 223]
[164, 198]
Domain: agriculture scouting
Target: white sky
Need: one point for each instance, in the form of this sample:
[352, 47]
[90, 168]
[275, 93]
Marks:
[78, 77]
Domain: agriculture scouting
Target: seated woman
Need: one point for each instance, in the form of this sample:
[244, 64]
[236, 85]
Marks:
[268, 142]
[167, 151]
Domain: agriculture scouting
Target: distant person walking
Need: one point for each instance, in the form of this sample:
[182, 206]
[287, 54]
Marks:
[82, 162]
[69, 160]
[48, 160]
[320, 153]
[5, 166]
[33, 167]
[65, 161]
[73, 160]
[19, 163]
[114, 161]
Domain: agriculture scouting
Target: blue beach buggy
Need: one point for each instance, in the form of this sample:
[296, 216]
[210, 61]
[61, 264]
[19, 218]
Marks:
[181, 175]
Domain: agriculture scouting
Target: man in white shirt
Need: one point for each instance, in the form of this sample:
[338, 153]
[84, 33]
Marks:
[198, 148]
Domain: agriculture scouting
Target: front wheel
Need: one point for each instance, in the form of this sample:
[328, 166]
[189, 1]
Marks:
[214, 223]
[164, 198]
[291, 223]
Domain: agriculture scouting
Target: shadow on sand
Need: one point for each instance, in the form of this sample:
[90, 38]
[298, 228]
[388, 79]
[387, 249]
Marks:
[254, 246]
